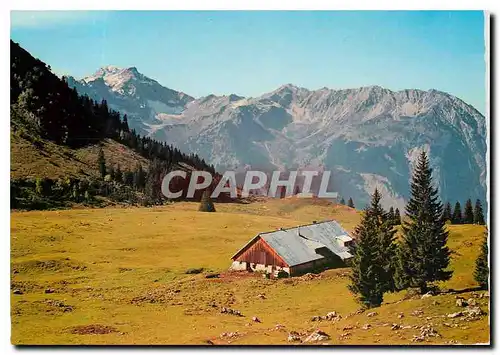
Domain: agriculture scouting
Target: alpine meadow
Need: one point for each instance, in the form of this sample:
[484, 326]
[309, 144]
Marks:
[349, 208]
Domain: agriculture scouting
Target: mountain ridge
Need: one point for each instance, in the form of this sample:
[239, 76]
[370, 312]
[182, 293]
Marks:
[368, 136]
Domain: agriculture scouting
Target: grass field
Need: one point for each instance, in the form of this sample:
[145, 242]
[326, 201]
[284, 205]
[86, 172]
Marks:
[118, 276]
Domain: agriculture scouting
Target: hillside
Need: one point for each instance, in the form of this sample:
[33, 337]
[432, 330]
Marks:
[67, 148]
[118, 276]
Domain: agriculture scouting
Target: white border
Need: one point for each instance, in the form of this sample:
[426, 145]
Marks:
[201, 5]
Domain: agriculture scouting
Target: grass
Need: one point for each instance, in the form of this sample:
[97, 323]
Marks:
[118, 276]
[32, 157]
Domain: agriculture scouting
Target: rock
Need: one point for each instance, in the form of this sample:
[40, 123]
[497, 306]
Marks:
[366, 326]
[400, 315]
[344, 335]
[347, 327]
[455, 315]
[372, 314]
[256, 320]
[293, 336]
[395, 326]
[471, 302]
[316, 336]
[315, 318]
[261, 296]
[417, 313]
[435, 303]
[212, 276]
[473, 313]
[461, 302]
[279, 326]
[427, 295]
[17, 292]
[406, 327]
[49, 290]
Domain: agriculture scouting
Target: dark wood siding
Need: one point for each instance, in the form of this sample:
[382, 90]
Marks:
[259, 252]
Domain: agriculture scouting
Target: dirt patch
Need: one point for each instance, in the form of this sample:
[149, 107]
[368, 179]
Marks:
[92, 329]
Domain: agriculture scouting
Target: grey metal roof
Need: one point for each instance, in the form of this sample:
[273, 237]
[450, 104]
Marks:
[298, 245]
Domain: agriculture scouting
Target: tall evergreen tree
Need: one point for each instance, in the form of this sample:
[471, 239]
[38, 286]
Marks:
[468, 212]
[390, 215]
[481, 272]
[456, 218]
[101, 161]
[424, 255]
[397, 217]
[447, 212]
[373, 262]
[139, 177]
[342, 201]
[478, 213]
[350, 203]
[206, 204]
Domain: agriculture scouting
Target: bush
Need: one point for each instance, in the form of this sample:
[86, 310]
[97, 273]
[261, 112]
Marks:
[194, 270]
[283, 274]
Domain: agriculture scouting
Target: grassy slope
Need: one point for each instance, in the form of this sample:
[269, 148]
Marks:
[134, 278]
[54, 161]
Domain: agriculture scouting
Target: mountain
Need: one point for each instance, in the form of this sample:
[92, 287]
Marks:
[367, 136]
[142, 99]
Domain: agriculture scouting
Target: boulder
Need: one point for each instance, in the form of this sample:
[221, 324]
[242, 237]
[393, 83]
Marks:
[256, 320]
[460, 302]
[427, 295]
[455, 315]
[316, 336]
[17, 292]
[372, 314]
[293, 336]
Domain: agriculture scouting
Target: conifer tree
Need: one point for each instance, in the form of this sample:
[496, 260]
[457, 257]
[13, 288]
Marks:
[373, 262]
[478, 213]
[206, 204]
[481, 271]
[390, 215]
[456, 218]
[447, 212]
[139, 177]
[423, 254]
[118, 174]
[350, 203]
[468, 213]
[342, 201]
[101, 161]
[397, 217]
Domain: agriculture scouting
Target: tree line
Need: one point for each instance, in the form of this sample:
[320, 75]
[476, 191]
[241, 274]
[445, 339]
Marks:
[469, 216]
[381, 264]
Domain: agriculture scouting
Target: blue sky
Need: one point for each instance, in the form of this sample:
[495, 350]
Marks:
[249, 53]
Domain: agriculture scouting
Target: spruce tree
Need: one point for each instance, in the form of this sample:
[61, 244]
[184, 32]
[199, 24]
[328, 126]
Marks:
[206, 204]
[478, 213]
[468, 213]
[101, 161]
[373, 262]
[457, 214]
[342, 201]
[390, 215]
[397, 217]
[423, 255]
[481, 272]
[447, 212]
[350, 203]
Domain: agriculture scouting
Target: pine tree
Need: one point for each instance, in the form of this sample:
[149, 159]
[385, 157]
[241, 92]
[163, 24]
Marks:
[456, 218]
[118, 174]
[390, 215]
[342, 201]
[423, 255]
[468, 213]
[478, 213]
[206, 204]
[101, 161]
[139, 178]
[481, 273]
[350, 203]
[447, 212]
[397, 217]
[373, 262]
